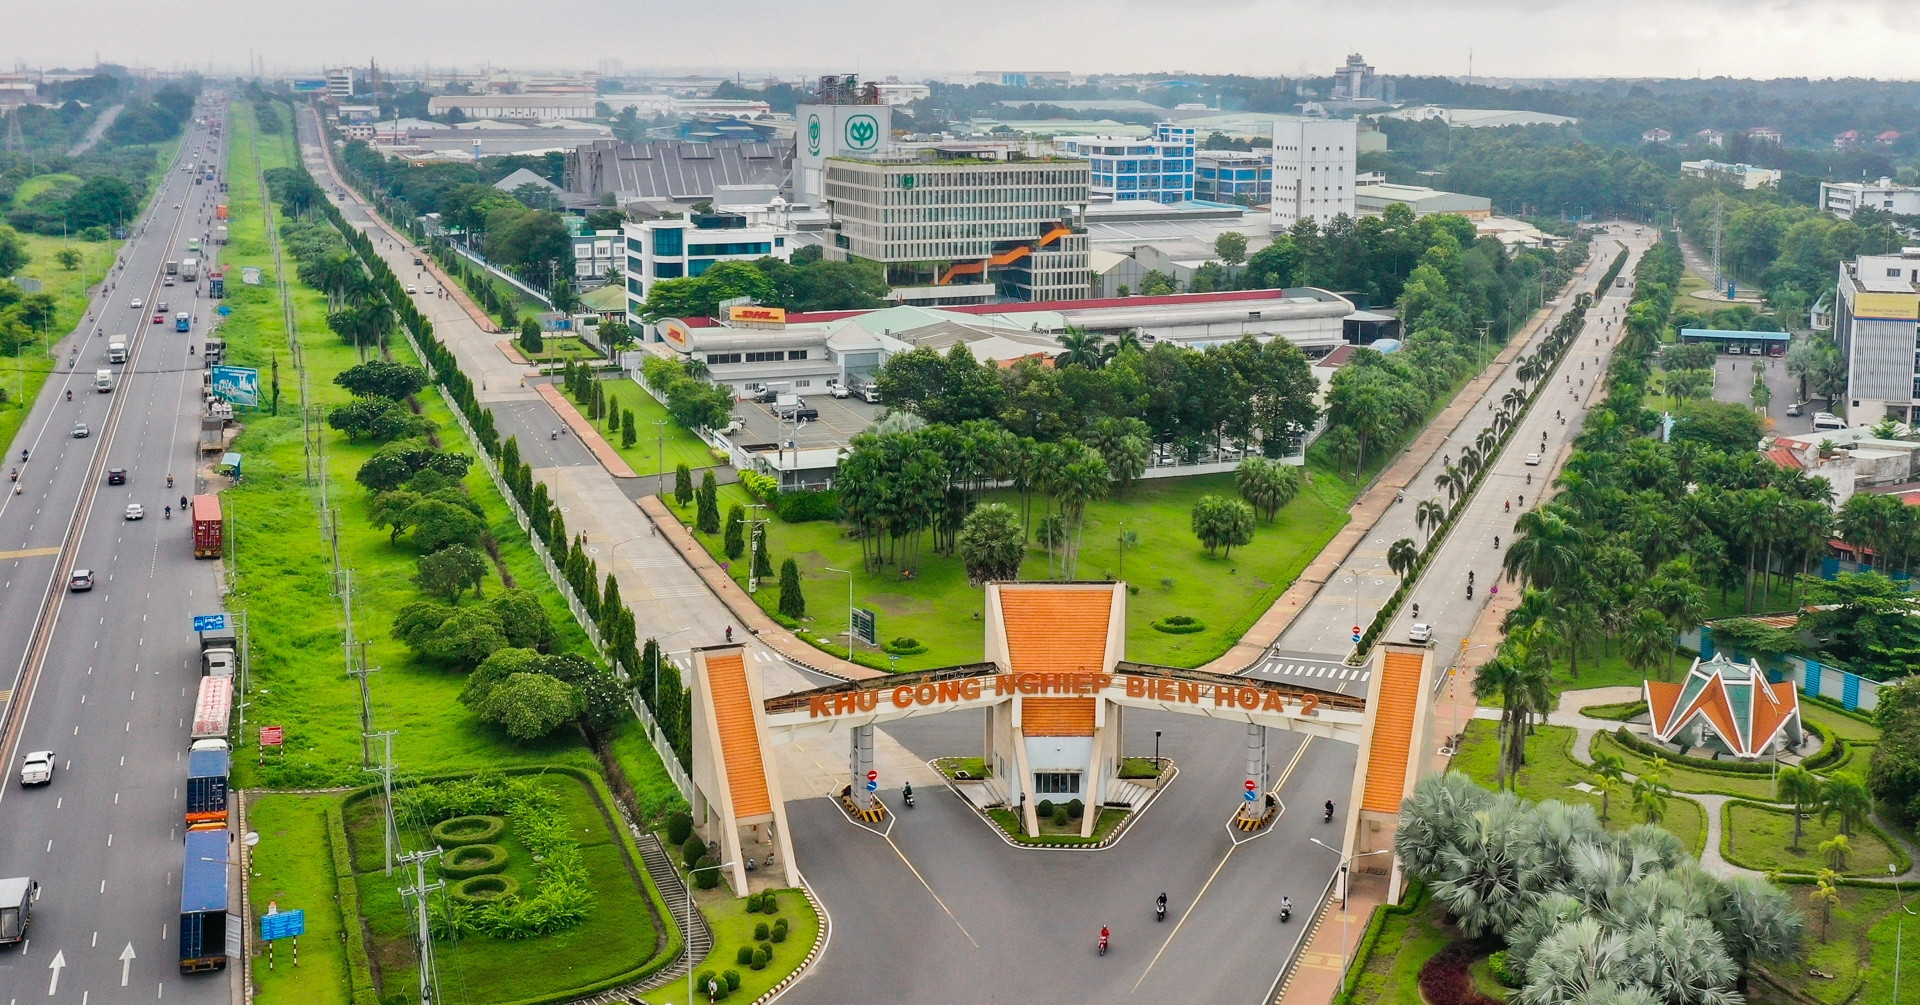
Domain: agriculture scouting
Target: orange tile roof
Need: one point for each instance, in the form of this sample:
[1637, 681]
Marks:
[1053, 630]
[1056, 716]
[1392, 732]
[739, 740]
[1661, 697]
[1785, 458]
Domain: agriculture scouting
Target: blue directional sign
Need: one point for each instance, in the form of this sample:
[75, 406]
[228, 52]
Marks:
[209, 622]
[237, 384]
[283, 925]
[1251, 795]
[871, 786]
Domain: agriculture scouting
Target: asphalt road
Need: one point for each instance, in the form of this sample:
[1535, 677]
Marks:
[1733, 383]
[111, 689]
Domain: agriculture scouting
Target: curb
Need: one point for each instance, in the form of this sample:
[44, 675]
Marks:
[585, 430]
[1133, 816]
[820, 940]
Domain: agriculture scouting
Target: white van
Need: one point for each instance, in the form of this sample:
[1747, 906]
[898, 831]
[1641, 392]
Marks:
[103, 381]
[1828, 420]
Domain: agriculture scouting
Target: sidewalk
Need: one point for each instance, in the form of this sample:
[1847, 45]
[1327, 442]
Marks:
[1315, 978]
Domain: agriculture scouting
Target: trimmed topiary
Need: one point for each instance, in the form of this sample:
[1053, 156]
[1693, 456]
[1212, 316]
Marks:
[692, 850]
[760, 932]
[761, 955]
[458, 831]
[679, 828]
[484, 889]
[1061, 817]
[1045, 808]
[744, 956]
[707, 877]
[753, 903]
[779, 933]
[768, 903]
[1076, 809]
[473, 860]
[732, 977]
[1179, 624]
[905, 646]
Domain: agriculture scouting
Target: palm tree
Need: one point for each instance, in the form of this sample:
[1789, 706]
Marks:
[1609, 778]
[1447, 480]
[1650, 800]
[1514, 399]
[1847, 797]
[1836, 849]
[1522, 677]
[1401, 556]
[1428, 516]
[1798, 786]
[1082, 347]
[1826, 893]
[1545, 549]
[1647, 640]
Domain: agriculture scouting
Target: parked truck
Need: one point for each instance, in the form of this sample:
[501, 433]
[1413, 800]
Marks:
[16, 907]
[212, 710]
[203, 901]
[219, 235]
[206, 527]
[218, 653]
[207, 773]
[190, 270]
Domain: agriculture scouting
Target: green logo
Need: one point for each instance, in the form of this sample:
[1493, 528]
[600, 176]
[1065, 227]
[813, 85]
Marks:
[813, 135]
[863, 132]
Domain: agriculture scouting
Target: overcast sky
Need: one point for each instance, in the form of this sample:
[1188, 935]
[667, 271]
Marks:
[913, 38]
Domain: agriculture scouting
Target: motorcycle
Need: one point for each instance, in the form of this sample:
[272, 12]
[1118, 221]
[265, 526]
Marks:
[169, 481]
[1286, 911]
[1329, 815]
[1103, 942]
[69, 395]
[1160, 908]
[906, 794]
[1469, 591]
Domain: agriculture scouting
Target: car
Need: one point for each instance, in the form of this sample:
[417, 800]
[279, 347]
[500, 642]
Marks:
[1777, 349]
[410, 288]
[36, 768]
[136, 303]
[116, 476]
[805, 414]
[80, 581]
[135, 511]
[841, 391]
[1828, 420]
[1420, 632]
[417, 261]
[1533, 460]
[1793, 408]
[167, 281]
[1755, 350]
[161, 307]
[159, 319]
[80, 431]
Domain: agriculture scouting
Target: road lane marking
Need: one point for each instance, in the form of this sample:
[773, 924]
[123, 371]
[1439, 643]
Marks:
[29, 553]
[929, 889]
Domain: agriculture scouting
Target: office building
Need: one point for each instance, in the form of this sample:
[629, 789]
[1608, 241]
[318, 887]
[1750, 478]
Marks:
[1877, 326]
[680, 248]
[340, 83]
[1156, 169]
[1239, 177]
[1841, 198]
[1744, 175]
[1356, 81]
[1313, 169]
[1373, 200]
[595, 253]
[845, 119]
[952, 231]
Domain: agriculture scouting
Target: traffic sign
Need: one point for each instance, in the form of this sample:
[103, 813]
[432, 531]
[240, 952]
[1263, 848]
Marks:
[209, 622]
[872, 775]
[283, 925]
[1356, 638]
[1251, 795]
[865, 624]
[270, 736]
[1251, 785]
[872, 785]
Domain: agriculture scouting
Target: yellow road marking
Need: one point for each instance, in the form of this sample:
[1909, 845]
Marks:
[930, 893]
[28, 553]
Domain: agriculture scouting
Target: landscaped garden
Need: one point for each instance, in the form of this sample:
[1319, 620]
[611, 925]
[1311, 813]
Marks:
[657, 438]
[781, 924]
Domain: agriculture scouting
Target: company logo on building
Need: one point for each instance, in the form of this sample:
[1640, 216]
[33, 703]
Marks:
[813, 135]
[863, 132]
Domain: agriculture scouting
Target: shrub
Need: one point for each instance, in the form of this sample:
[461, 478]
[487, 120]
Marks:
[692, 850]
[679, 828]
[1045, 808]
[779, 933]
[904, 646]
[1446, 979]
[700, 980]
[768, 904]
[765, 488]
[803, 505]
[1061, 817]
[753, 903]
[484, 889]
[1179, 624]
[467, 830]
[473, 860]
[709, 877]
[1076, 809]
[761, 954]
[744, 956]
[1497, 963]
[760, 931]
[732, 977]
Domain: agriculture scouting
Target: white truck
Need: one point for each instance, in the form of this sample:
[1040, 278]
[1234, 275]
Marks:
[190, 269]
[117, 351]
[103, 381]
[17, 895]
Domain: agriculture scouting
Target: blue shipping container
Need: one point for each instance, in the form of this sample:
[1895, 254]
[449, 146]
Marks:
[203, 902]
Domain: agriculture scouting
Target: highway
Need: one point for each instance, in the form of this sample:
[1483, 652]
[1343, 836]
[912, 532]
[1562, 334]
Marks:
[105, 678]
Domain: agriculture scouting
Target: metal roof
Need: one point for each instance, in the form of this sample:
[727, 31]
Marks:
[203, 882]
[675, 169]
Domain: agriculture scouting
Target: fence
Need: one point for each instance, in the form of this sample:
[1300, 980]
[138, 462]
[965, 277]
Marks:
[1822, 680]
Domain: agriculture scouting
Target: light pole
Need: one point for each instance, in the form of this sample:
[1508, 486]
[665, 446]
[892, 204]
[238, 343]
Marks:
[1899, 929]
[689, 920]
[1346, 864]
[849, 576]
[654, 705]
[1156, 752]
[660, 458]
[1357, 576]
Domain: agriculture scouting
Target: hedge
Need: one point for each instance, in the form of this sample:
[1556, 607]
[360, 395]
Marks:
[359, 962]
[1179, 624]
[1639, 746]
[1618, 712]
[1902, 859]
[454, 832]
[1415, 899]
[483, 889]
[803, 505]
[473, 860]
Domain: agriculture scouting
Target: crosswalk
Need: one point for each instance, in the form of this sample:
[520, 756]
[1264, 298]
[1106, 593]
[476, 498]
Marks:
[685, 662]
[1296, 669]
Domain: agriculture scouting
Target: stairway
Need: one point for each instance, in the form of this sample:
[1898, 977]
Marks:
[699, 938]
[1124, 793]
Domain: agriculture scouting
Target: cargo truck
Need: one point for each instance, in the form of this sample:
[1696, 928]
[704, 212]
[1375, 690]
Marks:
[217, 653]
[173, 268]
[206, 527]
[190, 270]
[203, 901]
[217, 283]
[212, 710]
[117, 351]
[219, 235]
[207, 772]
[16, 907]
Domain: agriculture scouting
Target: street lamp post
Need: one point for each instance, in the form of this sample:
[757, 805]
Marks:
[1899, 929]
[849, 576]
[660, 458]
[1156, 751]
[688, 925]
[654, 705]
[1346, 865]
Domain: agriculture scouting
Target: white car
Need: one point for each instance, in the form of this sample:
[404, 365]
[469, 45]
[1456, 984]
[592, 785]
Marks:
[410, 288]
[135, 511]
[1420, 633]
[136, 303]
[1533, 459]
[36, 768]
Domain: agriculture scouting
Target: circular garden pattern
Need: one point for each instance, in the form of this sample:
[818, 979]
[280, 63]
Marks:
[458, 831]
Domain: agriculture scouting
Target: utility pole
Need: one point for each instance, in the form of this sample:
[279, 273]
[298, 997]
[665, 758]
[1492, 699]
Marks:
[385, 770]
[1718, 281]
[359, 670]
[429, 975]
[660, 458]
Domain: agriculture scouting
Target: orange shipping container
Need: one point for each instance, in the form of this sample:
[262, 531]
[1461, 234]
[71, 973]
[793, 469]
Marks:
[220, 211]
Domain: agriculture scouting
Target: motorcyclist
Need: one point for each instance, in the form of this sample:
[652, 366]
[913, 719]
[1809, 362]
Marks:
[1286, 907]
[69, 394]
[169, 511]
[1160, 907]
[1104, 936]
[183, 504]
[1329, 809]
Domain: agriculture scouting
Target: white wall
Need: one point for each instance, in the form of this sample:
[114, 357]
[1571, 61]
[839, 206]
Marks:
[1313, 170]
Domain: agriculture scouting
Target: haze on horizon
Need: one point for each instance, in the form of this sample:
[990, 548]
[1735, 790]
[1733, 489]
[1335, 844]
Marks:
[1507, 38]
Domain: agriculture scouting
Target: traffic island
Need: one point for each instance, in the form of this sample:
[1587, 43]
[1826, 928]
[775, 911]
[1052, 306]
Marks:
[1061, 823]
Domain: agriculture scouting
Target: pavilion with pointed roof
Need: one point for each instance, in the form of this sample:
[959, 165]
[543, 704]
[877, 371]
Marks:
[1727, 707]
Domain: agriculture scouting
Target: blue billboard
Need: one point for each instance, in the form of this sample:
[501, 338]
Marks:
[237, 384]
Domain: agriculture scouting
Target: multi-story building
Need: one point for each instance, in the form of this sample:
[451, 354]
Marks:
[1877, 326]
[1156, 169]
[1356, 81]
[1842, 198]
[679, 248]
[1745, 175]
[595, 252]
[340, 83]
[957, 231]
[514, 106]
[1244, 178]
[1313, 169]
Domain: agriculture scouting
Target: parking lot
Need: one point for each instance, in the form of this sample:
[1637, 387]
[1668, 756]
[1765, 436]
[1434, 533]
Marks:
[840, 420]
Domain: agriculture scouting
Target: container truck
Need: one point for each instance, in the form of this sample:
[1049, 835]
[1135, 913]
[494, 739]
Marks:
[212, 709]
[206, 527]
[190, 269]
[16, 907]
[173, 268]
[203, 901]
[217, 653]
[207, 772]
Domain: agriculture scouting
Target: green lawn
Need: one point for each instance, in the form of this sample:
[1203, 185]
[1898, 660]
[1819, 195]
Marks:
[732, 928]
[1845, 727]
[1391, 975]
[669, 440]
[293, 867]
[39, 183]
[655, 796]
[618, 936]
[1686, 779]
[558, 349]
[1551, 773]
[1759, 838]
[1172, 573]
